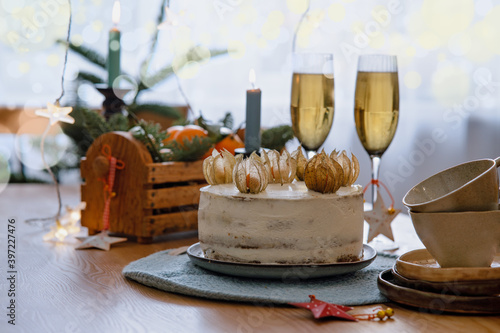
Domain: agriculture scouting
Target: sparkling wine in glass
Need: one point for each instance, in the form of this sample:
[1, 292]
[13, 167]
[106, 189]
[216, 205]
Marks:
[376, 107]
[312, 102]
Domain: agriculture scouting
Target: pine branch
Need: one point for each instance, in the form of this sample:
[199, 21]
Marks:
[89, 77]
[194, 54]
[151, 80]
[118, 122]
[276, 137]
[95, 123]
[187, 150]
[89, 54]
[150, 135]
[228, 120]
[156, 108]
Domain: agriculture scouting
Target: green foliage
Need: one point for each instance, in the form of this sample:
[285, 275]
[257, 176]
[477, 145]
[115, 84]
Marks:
[91, 55]
[160, 109]
[89, 77]
[78, 132]
[118, 122]
[276, 137]
[151, 135]
[95, 124]
[228, 120]
[187, 150]
[214, 129]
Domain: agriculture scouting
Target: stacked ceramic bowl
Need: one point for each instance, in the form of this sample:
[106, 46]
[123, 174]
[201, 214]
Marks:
[456, 216]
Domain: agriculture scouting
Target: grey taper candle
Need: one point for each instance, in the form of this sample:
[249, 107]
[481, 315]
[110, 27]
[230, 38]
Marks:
[252, 131]
[113, 63]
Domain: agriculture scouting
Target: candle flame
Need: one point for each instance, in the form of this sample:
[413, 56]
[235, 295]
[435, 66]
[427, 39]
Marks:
[251, 77]
[115, 15]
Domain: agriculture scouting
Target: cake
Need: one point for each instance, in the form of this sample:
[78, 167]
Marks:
[285, 224]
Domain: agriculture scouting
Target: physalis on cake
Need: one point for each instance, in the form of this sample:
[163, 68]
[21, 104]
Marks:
[250, 174]
[301, 161]
[218, 168]
[350, 167]
[327, 174]
[282, 168]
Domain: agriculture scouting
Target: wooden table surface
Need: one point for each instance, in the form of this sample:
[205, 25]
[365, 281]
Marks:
[59, 289]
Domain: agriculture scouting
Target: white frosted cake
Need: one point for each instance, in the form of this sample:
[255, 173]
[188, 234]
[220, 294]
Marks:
[284, 224]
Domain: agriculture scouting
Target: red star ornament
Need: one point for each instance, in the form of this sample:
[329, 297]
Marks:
[322, 309]
[380, 219]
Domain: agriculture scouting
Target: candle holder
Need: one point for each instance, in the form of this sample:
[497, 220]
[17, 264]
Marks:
[113, 99]
[245, 153]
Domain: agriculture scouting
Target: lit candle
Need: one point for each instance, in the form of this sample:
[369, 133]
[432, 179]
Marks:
[114, 46]
[252, 131]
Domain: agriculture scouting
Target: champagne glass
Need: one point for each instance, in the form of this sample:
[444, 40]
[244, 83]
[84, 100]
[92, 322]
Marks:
[376, 107]
[312, 102]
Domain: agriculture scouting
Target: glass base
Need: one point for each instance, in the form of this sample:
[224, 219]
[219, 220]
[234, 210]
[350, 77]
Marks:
[383, 244]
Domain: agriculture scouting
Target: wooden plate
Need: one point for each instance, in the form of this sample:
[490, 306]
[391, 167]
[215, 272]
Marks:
[458, 288]
[420, 265]
[436, 302]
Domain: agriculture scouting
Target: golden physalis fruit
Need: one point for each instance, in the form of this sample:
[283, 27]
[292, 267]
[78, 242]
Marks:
[218, 168]
[349, 166]
[301, 161]
[282, 168]
[323, 174]
[250, 174]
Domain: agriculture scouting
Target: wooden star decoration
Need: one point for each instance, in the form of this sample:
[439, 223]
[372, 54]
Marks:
[56, 113]
[380, 219]
[100, 241]
[321, 309]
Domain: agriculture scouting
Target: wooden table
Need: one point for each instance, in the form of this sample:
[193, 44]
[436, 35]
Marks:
[59, 289]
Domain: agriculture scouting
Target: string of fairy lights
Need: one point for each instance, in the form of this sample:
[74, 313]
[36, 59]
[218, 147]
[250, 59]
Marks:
[65, 224]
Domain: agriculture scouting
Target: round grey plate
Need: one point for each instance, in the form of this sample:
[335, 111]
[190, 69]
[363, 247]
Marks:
[280, 271]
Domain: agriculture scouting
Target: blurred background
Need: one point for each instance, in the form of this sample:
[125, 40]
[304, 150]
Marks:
[448, 58]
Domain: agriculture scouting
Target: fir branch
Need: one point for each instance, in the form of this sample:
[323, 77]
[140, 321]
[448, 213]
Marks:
[276, 137]
[89, 77]
[194, 54]
[151, 80]
[150, 135]
[156, 108]
[89, 54]
[118, 122]
[188, 150]
[95, 123]
[228, 120]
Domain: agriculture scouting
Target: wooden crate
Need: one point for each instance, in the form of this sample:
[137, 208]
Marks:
[152, 199]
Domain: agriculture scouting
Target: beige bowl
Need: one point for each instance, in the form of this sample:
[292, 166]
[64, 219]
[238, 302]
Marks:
[470, 186]
[460, 239]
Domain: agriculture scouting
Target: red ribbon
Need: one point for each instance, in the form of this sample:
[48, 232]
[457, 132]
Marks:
[114, 164]
[376, 182]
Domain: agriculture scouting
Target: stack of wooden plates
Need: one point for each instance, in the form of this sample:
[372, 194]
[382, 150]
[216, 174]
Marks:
[417, 280]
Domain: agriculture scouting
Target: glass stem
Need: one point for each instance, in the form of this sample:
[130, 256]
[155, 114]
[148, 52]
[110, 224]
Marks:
[375, 172]
[310, 154]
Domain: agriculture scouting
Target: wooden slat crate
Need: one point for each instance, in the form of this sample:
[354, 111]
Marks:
[152, 199]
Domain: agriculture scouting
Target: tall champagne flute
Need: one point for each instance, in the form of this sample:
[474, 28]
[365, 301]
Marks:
[312, 102]
[376, 107]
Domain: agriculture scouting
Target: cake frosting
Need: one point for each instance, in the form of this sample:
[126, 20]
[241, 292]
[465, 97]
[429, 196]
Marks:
[284, 224]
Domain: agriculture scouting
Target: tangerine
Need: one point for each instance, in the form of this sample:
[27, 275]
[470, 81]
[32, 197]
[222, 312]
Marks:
[230, 143]
[171, 132]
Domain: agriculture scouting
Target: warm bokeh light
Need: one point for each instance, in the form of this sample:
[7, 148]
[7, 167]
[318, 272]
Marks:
[115, 15]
